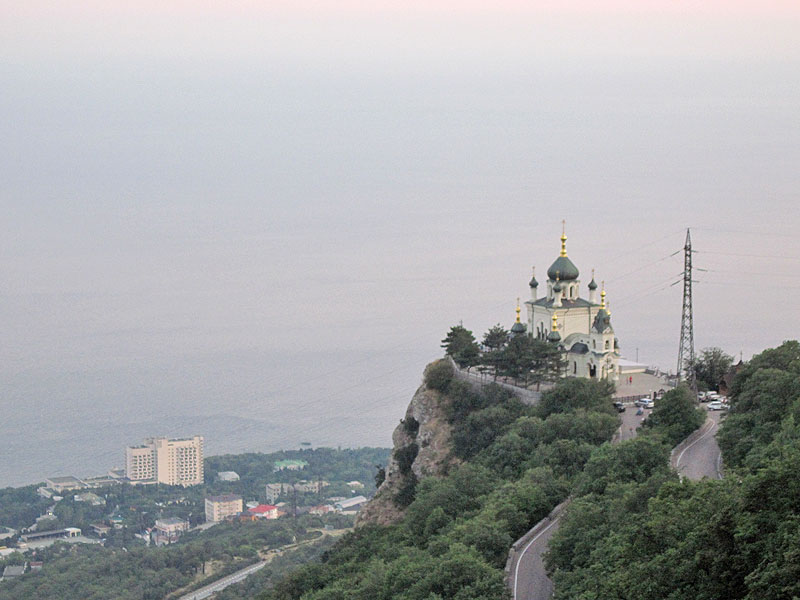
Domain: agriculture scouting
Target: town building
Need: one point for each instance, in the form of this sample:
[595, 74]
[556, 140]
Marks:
[289, 465]
[264, 511]
[321, 509]
[62, 484]
[67, 532]
[275, 490]
[100, 481]
[164, 460]
[228, 476]
[169, 529]
[218, 508]
[13, 571]
[101, 529]
[350, 505]
[90, 498]
[580, 327]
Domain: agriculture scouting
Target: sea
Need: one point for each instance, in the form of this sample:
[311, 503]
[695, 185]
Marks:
[80, 424]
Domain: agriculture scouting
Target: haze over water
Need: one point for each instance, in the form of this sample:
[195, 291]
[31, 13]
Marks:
[257, 224]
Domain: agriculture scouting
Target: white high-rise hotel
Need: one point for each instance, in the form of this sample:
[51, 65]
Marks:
[169, 461]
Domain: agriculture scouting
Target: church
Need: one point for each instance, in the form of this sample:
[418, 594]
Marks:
[582, 328]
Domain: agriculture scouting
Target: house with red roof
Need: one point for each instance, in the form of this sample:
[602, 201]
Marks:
[264, 511]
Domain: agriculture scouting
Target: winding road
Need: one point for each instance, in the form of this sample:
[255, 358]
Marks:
[700, 457]
[697, 457]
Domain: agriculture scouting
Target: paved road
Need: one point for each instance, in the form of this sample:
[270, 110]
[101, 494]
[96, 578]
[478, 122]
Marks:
[221, 584]
[702, 458]
[529, 580]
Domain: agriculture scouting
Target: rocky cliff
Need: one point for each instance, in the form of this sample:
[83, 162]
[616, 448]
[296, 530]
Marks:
[421, 448]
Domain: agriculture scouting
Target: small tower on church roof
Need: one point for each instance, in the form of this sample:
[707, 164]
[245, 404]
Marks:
[557, 289]
[602, 320]
[593, 290]
[533, 284]
[518, 328]
[554, 336]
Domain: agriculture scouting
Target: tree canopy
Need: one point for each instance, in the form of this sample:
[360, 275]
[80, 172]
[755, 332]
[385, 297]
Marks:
[636, 532]
[710, 366]
[460, 344]
[676, 415]
[515, 464]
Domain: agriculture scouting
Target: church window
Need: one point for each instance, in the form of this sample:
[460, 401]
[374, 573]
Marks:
[594, 345]
[606, 344]
[574, 368]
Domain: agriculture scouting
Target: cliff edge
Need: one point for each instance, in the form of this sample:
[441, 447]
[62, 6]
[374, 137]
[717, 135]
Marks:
[421, 448]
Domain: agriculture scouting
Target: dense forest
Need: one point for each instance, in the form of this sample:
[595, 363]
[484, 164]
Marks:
[514, 464]
[642, 535]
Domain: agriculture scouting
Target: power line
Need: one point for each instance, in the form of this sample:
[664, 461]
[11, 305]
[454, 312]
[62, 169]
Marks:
[766, 287]
[748, 255]
[666, 284]
[632, 250]
[756, 273]
[748, 232]
[636, 270]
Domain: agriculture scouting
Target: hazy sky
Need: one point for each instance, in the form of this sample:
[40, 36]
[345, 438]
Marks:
[203, 201]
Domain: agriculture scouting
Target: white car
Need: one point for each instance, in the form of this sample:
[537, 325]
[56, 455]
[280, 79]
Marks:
[715, 405]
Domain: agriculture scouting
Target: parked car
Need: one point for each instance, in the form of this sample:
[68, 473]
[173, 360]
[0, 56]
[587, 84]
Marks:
[619, 406]
[702, 396]
[715, 405]
[642, 401]
[649, 404]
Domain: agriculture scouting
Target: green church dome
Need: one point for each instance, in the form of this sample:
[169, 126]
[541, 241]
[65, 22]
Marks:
[564, 269]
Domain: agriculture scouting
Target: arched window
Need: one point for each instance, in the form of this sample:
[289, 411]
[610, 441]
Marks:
[574, 368]
[606, 344]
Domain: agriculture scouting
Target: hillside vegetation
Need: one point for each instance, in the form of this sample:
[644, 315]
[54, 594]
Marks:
[641, 534]
[512, 463]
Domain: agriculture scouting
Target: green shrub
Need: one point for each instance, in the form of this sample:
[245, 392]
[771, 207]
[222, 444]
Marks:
[405, 457]
[439, 375]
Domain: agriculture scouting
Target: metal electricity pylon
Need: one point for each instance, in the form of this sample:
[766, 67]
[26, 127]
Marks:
[686, 350]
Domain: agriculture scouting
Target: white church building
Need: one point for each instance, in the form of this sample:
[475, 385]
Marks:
[581, 327]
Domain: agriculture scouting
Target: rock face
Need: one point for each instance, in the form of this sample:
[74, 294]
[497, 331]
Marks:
[421, 449]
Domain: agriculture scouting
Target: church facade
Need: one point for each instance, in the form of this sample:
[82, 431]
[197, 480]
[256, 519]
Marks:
[581, 327]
